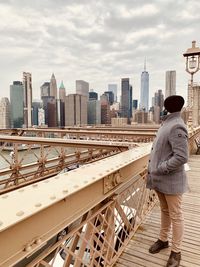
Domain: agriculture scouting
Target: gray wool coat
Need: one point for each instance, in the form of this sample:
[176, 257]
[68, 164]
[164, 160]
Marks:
[169, 152]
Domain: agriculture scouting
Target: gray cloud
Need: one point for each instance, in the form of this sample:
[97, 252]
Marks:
[97, 40]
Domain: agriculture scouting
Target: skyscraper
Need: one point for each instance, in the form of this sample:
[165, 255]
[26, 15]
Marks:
[158, 103]
[17, 111]
[60, 110]
[62, 92]
[110, 95]
[93, 95]
[135, 104]
[45, 89]
[144, 92]
[27, 84]
[94, 112]
[4, 113]
[82, 88]
[131, 100]
[36, 105]
[52, 112]
[170, 83]
[105, 109]
[61, 106]
[75, 110]
[113, 88]
[126, 99]
[159, 99]
[53, 86]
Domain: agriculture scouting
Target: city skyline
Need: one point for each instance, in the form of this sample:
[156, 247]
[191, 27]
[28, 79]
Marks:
[110, 45]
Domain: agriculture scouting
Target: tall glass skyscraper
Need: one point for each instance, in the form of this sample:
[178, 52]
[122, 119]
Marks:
[144, 92]
[113, 88]
[17, 110]
[126, 99]
[170, 83]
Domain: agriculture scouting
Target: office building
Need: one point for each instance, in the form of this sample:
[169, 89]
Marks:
[49, 105]
[110, 96]
[144, 92]
[93, 95]
[45, 89]
[27, 84]
[170, 83]
[60, 111]
[94, 112]
[62, 92]
[17, 111]
[158, 99]
[119, 122]
[36, 105]
[126, 99]
[105, 109]
[82, 88]
[113, 88]
[157, 105]
[52, 112]
[75, 110]
[135, 104]
[4, 113]
[131, 101]
[53, 86]
[141, 116]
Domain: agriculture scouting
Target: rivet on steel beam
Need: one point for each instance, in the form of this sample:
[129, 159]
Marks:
[52, 197]
[46, 181]
[1, 223]
[57, 177]
[35, 185]
[38, 241]
[76, 186]
[20, 213]
[4, 196]
[38, 205]
[93, 178]
[21, 190]
[85, 182]
[65, 191]
[28, 248]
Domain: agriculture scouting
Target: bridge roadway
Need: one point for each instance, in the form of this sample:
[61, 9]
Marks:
[136, 253]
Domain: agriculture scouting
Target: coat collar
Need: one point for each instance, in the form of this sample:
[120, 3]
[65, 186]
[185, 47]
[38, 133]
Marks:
[171, 116]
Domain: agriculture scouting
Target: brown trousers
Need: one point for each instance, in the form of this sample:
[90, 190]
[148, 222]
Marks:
[171, 215]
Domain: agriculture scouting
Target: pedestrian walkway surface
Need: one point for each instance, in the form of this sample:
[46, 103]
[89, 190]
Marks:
[136, 253]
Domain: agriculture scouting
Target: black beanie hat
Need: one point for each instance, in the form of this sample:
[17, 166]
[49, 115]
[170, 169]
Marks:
[174, 103]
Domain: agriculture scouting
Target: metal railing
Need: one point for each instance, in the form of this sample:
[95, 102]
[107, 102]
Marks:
[86, 220]
[30, 159]
[104, 231]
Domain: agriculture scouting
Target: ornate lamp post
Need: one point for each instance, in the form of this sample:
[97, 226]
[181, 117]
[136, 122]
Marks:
[192, 56]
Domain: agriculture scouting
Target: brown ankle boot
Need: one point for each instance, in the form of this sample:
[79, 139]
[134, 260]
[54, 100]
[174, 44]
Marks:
[174, 259]
[158, 245]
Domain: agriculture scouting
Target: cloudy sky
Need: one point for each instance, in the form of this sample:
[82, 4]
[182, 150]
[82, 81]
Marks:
[100, 41]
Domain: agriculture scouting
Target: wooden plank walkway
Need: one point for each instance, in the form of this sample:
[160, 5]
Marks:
[136, 253]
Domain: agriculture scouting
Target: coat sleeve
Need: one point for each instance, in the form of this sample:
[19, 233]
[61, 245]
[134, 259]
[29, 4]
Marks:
[178, 140]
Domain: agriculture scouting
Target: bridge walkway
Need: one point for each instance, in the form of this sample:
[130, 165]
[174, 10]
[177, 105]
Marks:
[136, 253]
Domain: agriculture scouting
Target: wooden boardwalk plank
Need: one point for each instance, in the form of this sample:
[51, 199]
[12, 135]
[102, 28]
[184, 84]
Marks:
[136, 253]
